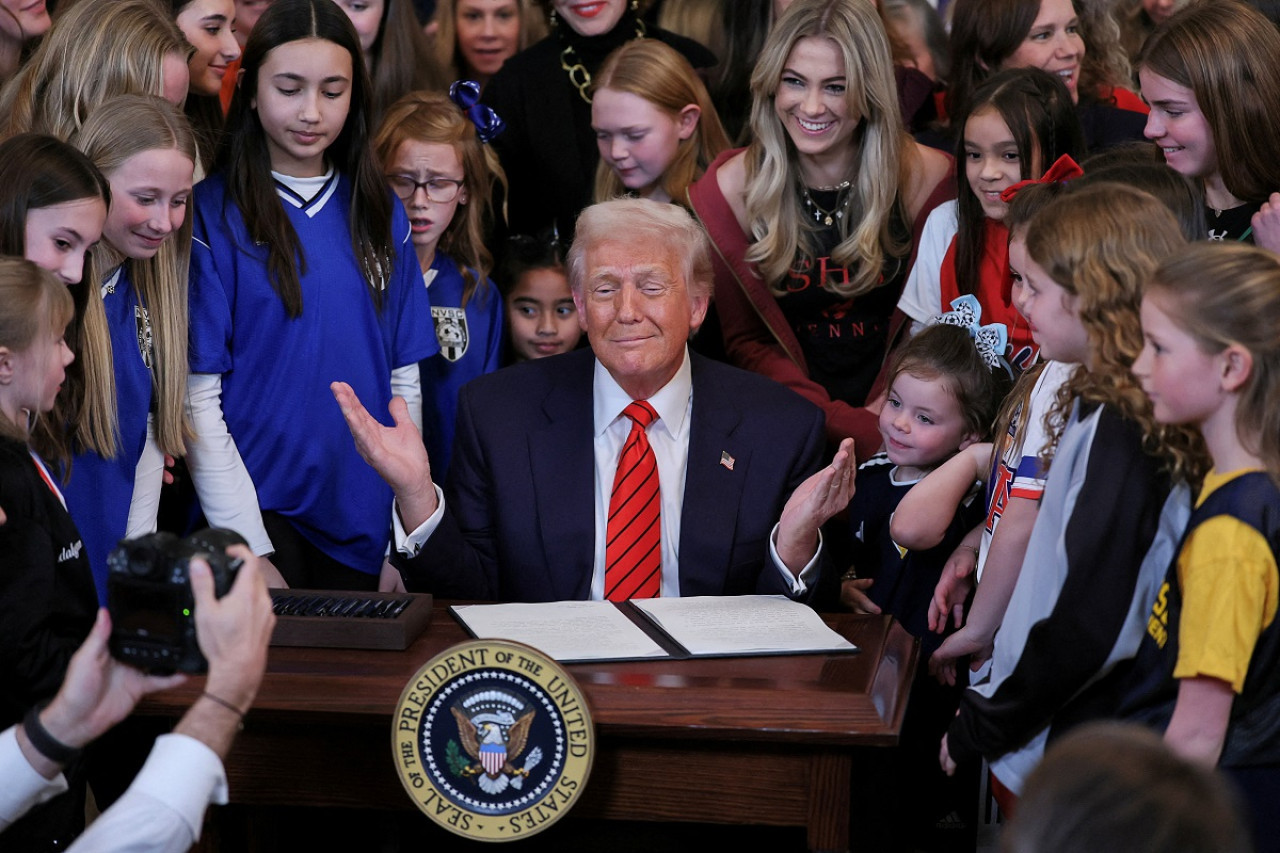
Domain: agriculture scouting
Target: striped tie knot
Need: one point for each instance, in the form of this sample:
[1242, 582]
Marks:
[641, 412]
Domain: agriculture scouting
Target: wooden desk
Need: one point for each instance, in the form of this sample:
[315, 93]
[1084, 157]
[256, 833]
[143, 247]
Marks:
[767, 740]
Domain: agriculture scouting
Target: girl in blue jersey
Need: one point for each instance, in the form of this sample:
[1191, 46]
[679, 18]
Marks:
[303, 274]
[1208, 671]
[436, 159]
[128, 412]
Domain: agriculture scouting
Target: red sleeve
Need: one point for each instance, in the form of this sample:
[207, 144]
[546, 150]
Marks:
[756, 334]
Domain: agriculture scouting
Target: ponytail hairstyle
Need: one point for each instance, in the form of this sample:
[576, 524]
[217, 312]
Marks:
[247, 162]
[1229, 293]
[776, 219]
[1037, 108]
[122, 128]
[42, 171]
[95, 51]
[32, 302]
[1101, 244]
[658, 73]
[985, 33]
[434, 117]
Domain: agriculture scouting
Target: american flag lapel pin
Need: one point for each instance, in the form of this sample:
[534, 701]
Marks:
[726, 460]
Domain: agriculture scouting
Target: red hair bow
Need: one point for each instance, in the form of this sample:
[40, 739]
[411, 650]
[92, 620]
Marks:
[1063, 169]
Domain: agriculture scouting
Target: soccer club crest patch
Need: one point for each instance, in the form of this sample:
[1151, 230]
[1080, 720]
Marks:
[493, 740]
[451, 331]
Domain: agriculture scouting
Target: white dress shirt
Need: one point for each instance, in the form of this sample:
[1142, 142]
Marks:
[669, 438]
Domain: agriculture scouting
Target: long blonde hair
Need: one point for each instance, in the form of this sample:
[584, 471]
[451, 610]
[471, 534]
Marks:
[775, 218]
[121, 128]
[93, 52]
[1101, 243]
[659, 74]
[1229, 293]
[32, 301]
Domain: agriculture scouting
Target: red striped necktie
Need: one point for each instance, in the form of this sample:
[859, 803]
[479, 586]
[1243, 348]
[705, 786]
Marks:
[633, 549]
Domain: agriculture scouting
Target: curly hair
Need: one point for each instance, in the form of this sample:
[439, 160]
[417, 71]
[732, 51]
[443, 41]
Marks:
[985, 33]
[1101, 244]
[1229, 293]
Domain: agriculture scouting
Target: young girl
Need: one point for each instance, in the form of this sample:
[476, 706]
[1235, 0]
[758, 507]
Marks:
[395, 50]
[655, 126]
[47, 599]
[209, 25]
[303, 273]
[20, 25]
[132, 339]
[812, 222]
[541, 316]
[53, 205]
[97, 51]
[1206, 672]
[1018, 124]
[1108, 520]
[1215, 106]
[1077, 40]
[435, 153]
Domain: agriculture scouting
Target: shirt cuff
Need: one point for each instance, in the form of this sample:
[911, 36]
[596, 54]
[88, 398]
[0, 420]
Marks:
[23, 787]
[185, 775]
[409, 544]
[799, 585]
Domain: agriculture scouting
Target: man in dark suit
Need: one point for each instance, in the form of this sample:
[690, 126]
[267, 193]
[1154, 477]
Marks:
[527, 508]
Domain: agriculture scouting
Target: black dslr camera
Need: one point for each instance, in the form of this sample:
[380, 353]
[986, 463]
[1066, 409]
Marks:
[153, 623]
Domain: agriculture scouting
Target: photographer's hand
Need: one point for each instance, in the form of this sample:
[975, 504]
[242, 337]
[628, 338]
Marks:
[233, 632]
[97, 692]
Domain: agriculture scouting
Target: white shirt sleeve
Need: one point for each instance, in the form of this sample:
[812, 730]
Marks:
[21, 787]
[163, 810]
[227, 494]
[407, 382]
[410, 543]
[148, 478]
[799, 584]
[922, 297]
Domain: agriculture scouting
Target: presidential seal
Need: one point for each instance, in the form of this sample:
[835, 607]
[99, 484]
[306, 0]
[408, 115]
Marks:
[493, 740]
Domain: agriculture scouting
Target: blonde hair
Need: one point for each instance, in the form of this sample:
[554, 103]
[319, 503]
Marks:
[31, 301]
[533, 27]
[775, 218]
[433, 117]
[93, 52]
[664, 78]
[122, 128]
[1229, 293]
[1100, 244]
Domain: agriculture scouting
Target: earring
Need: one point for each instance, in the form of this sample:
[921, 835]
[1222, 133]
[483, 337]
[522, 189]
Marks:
[555, 22]
[635, 6]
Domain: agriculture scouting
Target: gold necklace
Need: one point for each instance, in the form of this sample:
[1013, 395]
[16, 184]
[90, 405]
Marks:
[579, 76]
[820, 213]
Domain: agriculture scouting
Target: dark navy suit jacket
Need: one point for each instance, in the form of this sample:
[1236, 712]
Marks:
[519, 520]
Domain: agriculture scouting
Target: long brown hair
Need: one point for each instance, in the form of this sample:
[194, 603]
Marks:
[247, 161]
[1101, 244]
